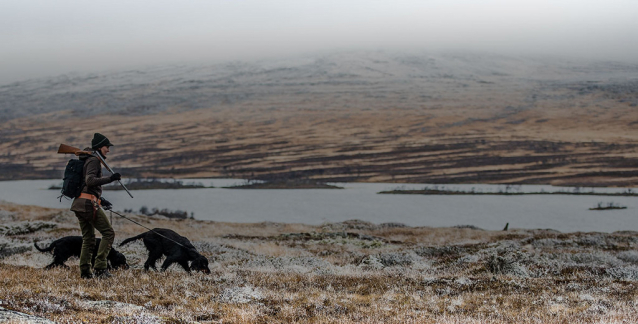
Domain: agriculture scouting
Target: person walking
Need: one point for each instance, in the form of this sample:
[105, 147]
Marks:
[87, 209]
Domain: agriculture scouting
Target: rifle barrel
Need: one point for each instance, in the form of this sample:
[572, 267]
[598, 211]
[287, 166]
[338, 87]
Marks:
[128, 192]
[99, 156]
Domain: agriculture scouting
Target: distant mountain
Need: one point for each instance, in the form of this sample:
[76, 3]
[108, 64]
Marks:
[179, 88]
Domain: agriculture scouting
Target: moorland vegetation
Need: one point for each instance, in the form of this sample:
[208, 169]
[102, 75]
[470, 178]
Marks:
[348, 272]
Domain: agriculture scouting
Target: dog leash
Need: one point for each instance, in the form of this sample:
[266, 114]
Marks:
[168, 238]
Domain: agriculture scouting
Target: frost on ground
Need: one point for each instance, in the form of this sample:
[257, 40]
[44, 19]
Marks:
[109, 304]
[10, 247]
[241, 295]
[25, 227]
[9, 316]
[344, 272]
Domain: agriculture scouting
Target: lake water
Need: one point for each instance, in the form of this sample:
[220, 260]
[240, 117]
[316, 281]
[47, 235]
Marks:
[565, 213]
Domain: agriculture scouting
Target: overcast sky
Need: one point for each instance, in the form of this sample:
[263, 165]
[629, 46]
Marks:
[41, 38]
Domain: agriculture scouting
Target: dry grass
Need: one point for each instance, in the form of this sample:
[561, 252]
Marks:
[426, 275]
[456, 140]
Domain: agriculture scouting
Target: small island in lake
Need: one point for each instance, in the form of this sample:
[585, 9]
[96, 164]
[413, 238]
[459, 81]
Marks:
[285, 184]
[506, 192]
[609, 206]
[147, 184]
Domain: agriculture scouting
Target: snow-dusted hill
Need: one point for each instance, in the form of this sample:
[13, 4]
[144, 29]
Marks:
[424, 76]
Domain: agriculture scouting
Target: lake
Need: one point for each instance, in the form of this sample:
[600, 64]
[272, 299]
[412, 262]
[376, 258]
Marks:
[566, 213]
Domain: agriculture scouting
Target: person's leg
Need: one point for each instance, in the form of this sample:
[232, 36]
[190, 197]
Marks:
[108, 235]
[88, 243]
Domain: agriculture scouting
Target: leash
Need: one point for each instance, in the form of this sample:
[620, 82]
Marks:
[168, 238]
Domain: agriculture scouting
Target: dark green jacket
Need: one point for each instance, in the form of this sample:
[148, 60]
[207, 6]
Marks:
[93, 181]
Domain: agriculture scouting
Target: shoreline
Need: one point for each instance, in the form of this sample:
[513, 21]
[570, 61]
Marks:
[372, 182]
[284, 185]
[454, 192]
[575, 185]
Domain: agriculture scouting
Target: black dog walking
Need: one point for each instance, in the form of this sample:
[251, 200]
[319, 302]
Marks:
[69, 246]
[176, 248]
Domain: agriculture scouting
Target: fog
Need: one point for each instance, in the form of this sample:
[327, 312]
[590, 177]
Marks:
[40, 38]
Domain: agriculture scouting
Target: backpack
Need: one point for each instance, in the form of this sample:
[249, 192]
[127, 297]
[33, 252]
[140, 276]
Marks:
[73, 179]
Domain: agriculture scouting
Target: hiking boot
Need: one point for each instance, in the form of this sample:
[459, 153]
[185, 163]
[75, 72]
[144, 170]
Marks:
[86, 275]
[103, 274]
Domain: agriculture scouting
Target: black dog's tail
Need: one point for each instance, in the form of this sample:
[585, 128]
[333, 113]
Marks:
[134, 238]
[47, 249]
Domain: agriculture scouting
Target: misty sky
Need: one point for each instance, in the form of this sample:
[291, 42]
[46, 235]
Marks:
[41, 38]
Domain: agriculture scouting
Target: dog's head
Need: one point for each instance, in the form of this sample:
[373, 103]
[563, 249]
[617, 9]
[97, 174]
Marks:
[118, 260]
[200, 264]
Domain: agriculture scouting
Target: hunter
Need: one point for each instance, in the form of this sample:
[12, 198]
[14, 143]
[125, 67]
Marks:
[90, 215]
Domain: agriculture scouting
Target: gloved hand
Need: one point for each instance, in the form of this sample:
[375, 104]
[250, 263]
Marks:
[106, 205]
[116, 176]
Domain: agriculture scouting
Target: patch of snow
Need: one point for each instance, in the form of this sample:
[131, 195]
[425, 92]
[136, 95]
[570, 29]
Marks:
[241, 295]
[109, 304]
[17, 317]
[25, 227]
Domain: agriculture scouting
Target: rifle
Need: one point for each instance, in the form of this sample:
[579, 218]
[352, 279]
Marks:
[67, 149]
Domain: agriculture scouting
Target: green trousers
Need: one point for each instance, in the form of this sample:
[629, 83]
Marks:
[88, 225]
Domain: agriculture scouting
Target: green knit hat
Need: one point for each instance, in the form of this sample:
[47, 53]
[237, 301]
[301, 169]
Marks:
[99, 140]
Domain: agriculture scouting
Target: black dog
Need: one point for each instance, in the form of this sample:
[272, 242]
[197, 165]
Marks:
[69, 246]
[161, 241]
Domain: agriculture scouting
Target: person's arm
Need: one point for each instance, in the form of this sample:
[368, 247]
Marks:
[92, 168]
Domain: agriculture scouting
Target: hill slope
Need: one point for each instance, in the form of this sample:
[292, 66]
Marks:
[350, 116]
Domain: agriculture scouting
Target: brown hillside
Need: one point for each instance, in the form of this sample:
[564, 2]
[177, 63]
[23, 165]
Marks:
[373, 121]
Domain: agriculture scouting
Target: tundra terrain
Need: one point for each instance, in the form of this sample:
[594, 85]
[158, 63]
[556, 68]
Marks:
[359, 116]
[350, 272]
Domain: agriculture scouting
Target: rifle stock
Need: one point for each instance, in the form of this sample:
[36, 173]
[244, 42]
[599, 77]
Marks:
[67, 149]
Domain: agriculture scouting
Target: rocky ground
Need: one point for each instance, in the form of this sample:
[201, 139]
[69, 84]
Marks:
[339, 272]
